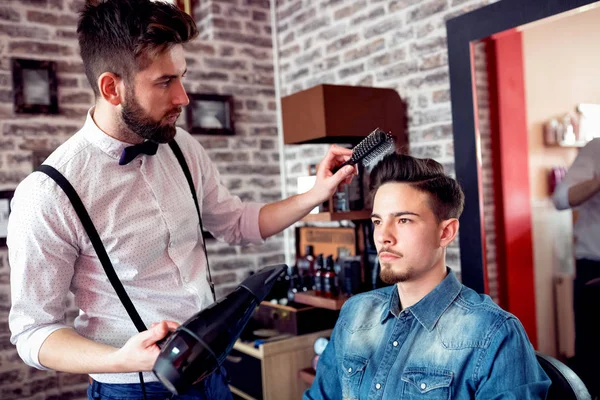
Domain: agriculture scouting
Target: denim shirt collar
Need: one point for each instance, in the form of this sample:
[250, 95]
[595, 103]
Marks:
[430, 308]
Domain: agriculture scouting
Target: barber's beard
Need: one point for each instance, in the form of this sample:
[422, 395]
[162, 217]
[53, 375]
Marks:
[137, 121]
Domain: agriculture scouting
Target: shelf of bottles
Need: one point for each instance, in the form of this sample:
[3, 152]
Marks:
[315, 280]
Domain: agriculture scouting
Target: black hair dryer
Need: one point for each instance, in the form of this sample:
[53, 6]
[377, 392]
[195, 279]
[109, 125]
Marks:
[199, 346]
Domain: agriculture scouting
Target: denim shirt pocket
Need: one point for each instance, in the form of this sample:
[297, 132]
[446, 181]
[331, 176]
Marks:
[426, 383]
[353, 371]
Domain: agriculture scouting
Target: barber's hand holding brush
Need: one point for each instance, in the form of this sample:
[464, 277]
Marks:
[339, 165]
[329, 173]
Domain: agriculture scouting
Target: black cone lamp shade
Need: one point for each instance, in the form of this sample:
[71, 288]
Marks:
[199, 346]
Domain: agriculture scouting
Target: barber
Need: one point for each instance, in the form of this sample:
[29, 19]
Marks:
[139, 200]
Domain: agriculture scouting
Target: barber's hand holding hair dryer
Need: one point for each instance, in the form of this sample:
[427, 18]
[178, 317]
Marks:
[199, 346]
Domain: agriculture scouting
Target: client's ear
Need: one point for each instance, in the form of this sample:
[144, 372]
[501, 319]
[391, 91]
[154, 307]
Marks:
[449, 230]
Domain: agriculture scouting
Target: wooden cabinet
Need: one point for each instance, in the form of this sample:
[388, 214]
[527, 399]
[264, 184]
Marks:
[271, 371]
[342, 114]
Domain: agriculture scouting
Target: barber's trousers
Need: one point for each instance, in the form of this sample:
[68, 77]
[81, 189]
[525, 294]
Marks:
[213, 388]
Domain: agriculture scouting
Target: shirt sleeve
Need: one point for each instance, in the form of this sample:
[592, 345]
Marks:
[582, 169]
[41, 257]
[223, 214]
[509, 368]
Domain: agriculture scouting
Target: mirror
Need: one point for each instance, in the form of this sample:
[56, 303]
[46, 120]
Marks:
[513, 70]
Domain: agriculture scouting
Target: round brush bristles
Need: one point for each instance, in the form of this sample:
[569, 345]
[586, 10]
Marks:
[372, 148]
[383, 149]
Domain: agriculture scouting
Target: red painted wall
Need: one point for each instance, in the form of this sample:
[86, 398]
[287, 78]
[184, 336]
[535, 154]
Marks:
[511, 179]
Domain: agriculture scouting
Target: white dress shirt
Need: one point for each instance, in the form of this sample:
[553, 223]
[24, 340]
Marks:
[587, 227]
[146, 218]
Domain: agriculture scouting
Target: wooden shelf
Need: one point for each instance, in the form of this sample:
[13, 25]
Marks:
[337, 216]
[318, 301]
[307, 375]
[241, 394]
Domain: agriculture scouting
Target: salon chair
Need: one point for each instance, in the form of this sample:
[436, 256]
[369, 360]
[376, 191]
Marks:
[566, 385]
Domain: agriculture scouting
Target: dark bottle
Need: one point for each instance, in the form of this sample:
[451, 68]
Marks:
[306, 269]
[330, 286]
[342, 252]
[338, 268]
[293, 283]
[319, 275]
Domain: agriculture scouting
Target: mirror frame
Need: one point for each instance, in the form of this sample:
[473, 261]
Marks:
[461, 32]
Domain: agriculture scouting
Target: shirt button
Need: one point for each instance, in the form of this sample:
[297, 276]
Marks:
[378, 386]
[186, 279]
[395, 343]
[171, 243]
[423, 386]
[349, 369]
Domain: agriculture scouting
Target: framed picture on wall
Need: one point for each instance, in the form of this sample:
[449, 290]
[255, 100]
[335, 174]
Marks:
[5, 198]
[210, 114]
[34, 84]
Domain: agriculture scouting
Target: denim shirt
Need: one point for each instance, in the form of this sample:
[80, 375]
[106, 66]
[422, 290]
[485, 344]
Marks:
[453, 344]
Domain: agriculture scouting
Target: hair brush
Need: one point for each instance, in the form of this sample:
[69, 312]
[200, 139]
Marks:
[371, 149]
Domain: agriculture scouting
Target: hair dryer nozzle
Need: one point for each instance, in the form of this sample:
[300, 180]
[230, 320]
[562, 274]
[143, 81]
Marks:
[261, 283]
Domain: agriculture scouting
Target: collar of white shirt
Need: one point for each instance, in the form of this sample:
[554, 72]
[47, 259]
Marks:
[108, 144]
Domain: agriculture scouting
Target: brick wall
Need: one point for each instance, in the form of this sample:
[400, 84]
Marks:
[399, 44]
[232, 56]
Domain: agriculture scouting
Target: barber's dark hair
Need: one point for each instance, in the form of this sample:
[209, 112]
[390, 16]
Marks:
[123, 36]
[424, 174]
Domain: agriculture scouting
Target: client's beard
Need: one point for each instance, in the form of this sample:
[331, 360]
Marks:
[135, 120]
[389, 276]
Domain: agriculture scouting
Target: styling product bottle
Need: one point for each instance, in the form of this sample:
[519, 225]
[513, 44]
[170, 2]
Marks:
[340, 199]
[293, 283]
[342, 252]
[319, 275]
[330, 287]
[306, 269]
[338, 268]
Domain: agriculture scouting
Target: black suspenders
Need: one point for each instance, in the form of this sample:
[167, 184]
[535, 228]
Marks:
[97, 242]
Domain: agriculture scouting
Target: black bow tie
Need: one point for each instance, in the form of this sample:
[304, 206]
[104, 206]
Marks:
[130, 152]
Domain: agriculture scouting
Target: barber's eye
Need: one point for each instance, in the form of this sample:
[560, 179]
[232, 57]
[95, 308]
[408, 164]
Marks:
[376, 222]
[404, 220]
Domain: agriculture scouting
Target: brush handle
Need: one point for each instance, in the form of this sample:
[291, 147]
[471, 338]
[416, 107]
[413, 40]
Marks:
[347, 162]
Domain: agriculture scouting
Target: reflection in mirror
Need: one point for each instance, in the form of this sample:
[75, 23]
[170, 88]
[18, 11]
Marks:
[483, 131]
[560, 59]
